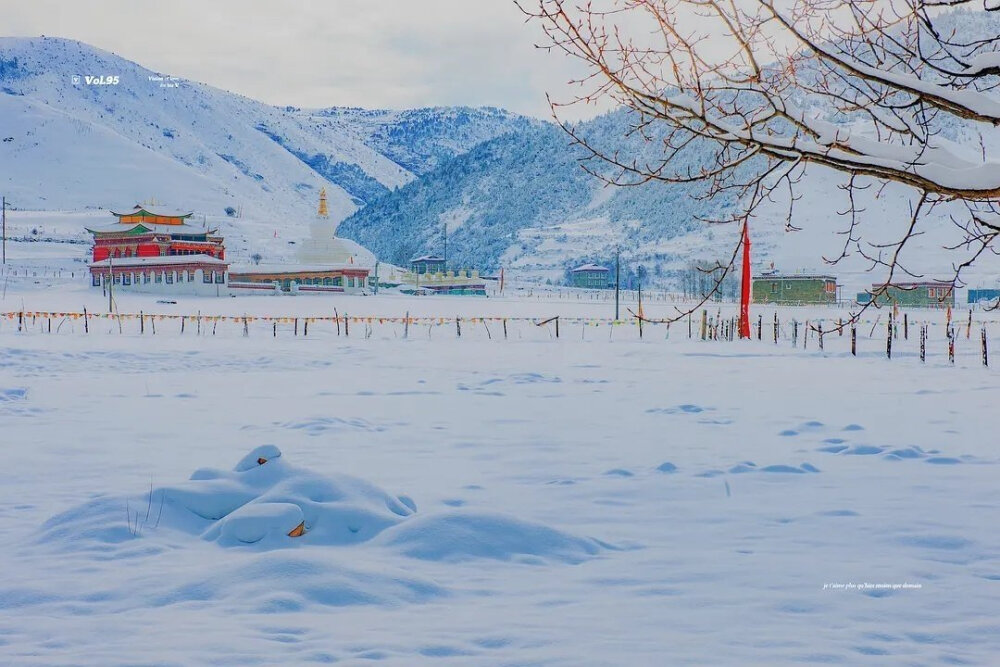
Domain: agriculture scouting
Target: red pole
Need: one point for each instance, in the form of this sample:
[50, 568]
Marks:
[745, 285]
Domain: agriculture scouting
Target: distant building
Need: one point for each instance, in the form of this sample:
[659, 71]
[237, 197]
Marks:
[151, 249]
[462, 282]
[296, 278]
[427, 264]
[591, 276]
[326, 263]
[926, 294]
[984, 295]
[793, 289]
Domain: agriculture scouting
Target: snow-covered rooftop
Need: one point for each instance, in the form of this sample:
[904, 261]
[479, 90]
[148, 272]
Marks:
[296, 268]
[794, 276]
[154, 210]
[159, 261]
[590, 267]
[122, 228]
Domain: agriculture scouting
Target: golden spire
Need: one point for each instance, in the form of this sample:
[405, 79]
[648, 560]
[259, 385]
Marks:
[323, 212]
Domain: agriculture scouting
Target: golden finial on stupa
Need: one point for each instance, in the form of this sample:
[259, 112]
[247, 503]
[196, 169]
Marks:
[323, 212]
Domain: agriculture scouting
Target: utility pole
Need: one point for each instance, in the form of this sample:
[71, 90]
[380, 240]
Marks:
[639, 278]
[617, 278]
[3, 216]
[446, 247]
[376, 277]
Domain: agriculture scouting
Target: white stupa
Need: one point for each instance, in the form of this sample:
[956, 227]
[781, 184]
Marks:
[325, 248]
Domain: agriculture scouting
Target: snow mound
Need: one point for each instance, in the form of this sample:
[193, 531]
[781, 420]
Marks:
[263, 501]
[458, 536]
[266, 503]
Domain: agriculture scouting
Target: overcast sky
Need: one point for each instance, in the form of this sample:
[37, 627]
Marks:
[314, 53]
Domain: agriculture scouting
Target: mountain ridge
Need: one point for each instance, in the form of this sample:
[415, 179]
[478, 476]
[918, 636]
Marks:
[269, 159]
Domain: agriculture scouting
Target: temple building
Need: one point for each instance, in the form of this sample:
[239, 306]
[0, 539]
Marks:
[151, 249]
[326, 263]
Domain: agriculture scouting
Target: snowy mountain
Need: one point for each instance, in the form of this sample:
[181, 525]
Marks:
[522, 201]
[85, 128]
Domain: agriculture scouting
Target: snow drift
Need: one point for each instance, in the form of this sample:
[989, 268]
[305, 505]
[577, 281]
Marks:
[268, 503]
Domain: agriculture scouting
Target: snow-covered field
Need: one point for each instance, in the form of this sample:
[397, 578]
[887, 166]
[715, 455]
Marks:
[591, 500]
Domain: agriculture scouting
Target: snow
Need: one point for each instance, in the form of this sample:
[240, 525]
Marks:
[593, 499]
[513, 495]
[200, 147]
[158, 260]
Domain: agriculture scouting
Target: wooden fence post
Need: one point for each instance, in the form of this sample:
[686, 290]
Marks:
[888, 339]
[923, 343]
[986, 357]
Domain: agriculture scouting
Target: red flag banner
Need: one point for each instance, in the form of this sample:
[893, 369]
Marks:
[745, 286]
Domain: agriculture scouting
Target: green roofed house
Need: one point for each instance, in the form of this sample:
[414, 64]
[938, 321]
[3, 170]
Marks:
[926, 294]
[792, 289]
[591, 276]
[427, 264]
